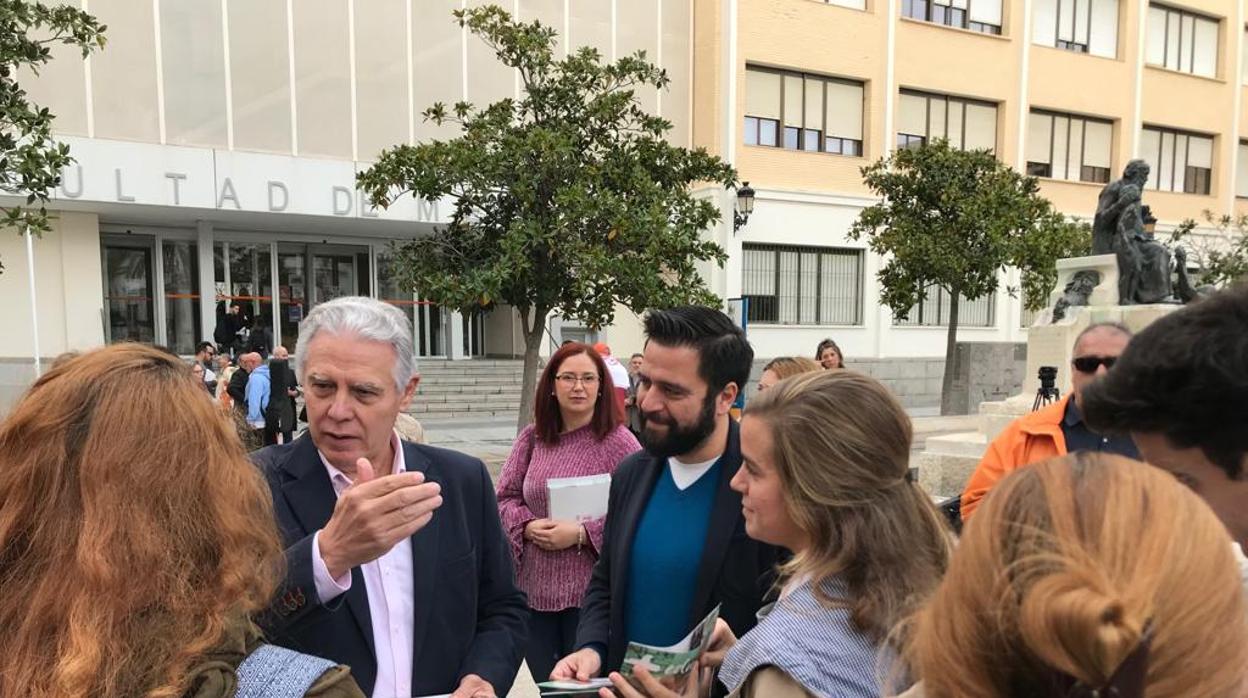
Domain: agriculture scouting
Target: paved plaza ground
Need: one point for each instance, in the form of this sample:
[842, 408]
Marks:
[490, 440]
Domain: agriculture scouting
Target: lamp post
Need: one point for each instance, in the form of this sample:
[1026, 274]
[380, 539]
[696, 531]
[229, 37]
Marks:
[745, 206]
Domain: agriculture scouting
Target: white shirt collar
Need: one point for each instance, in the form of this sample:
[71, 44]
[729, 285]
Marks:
[685, 474]
[400, 463]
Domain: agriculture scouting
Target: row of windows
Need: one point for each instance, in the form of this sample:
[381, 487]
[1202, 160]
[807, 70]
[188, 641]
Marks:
[789, 285]
[1177, 39]
[799, 111]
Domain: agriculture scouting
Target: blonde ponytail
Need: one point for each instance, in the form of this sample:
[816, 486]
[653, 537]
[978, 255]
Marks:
[1063, 569]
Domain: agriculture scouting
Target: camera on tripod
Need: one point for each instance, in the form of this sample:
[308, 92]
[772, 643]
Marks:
[1048, 392]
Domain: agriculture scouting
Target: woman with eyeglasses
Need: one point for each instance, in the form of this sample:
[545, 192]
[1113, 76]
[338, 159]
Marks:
[576, 432]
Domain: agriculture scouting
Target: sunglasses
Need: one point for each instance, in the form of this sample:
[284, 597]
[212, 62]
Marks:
[1089, 364]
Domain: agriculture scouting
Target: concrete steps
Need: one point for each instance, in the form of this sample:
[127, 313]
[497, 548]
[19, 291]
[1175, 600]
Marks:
[469, 389]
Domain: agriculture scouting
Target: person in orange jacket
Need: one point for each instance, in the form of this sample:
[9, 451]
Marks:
[1059, 428]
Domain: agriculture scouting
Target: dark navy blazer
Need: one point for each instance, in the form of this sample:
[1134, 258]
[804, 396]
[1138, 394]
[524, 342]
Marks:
[470, 618]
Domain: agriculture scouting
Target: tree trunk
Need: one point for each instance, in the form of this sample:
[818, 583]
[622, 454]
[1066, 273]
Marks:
[533, 331]
[951, 349]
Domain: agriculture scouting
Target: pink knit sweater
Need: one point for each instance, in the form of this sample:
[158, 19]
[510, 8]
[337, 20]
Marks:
[554, 580]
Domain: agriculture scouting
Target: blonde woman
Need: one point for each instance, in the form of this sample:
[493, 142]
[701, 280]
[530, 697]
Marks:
[783, 367]
[1087, 575]
[825, 475]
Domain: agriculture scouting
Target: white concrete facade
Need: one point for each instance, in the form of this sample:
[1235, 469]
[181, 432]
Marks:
[217, 143]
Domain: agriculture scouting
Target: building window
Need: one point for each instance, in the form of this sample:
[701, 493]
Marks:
[1082, 26]
[802, 285]
[933, 311]
[965, 123]
[1243, 59]
[1064, 146]
[1178, 161]
[852, 4]
[1182, 41]
[982, 16]
[803, 112]
[1241, 171]
[905, 140]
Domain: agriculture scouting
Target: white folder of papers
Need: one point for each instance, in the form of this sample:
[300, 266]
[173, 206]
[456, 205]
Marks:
[578, 498]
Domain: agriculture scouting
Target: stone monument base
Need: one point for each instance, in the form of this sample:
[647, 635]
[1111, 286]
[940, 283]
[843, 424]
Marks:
[948, 461]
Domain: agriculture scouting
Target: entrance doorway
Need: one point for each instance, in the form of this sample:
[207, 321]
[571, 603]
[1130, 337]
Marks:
[129, 289]
[308, 275]
[151, 289]
[152, 285]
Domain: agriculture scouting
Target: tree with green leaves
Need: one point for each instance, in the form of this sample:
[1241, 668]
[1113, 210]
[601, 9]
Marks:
[567, 200]
[955, 219]
[1220, 258]
[31, 161]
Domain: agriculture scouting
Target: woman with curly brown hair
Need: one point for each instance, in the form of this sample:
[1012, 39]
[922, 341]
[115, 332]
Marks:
[136, 540]
[1087, 575]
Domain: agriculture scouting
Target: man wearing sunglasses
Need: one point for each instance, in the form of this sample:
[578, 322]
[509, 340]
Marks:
[1059, 428]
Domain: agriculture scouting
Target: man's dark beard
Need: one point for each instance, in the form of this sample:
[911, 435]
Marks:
[680, 439]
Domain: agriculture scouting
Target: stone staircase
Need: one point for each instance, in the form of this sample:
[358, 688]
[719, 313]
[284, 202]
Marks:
[468, 389]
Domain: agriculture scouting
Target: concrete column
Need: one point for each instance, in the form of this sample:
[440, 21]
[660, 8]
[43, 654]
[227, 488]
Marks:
[207, 283]
[455, 351]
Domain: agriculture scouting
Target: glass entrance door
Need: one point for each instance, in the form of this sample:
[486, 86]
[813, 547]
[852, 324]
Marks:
[312, 274]
[334, 275]
[292, 285]
[428, 320]
[129, 288]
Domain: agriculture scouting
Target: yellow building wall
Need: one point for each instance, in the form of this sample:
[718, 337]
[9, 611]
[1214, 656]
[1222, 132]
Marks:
[820, 38]
[797, 35]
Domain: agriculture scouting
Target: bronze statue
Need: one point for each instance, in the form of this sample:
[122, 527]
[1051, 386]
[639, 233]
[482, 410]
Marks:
[1110, 203]
[1184, 289]
[1123, 227]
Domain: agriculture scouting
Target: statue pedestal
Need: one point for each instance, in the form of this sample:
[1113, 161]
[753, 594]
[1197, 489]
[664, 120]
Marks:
[948, 461]
[1105, 265]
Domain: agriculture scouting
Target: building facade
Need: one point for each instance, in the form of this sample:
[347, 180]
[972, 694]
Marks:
[801, 94]
[217, 143]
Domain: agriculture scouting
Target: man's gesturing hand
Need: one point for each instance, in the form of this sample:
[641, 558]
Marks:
[374, 514]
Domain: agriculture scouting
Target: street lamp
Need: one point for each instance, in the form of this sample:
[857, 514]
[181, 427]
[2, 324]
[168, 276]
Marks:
[745, 206]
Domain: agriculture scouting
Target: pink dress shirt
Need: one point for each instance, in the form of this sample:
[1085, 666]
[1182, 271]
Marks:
[388, 582]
